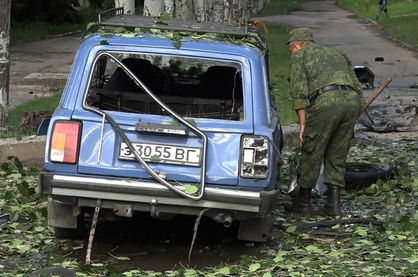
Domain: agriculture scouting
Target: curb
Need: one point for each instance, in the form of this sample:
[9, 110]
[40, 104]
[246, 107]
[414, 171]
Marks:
[29, 150]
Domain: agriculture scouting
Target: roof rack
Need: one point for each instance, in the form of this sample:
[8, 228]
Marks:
[116, 18]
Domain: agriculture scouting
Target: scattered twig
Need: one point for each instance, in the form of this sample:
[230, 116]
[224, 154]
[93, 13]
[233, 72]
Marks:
[195, 227]
[307, 227]
[329, 223]
[330, 233]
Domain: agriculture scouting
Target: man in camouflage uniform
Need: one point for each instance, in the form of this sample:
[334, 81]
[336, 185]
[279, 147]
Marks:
[327, 97]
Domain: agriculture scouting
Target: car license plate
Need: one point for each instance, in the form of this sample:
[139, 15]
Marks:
[159, 153]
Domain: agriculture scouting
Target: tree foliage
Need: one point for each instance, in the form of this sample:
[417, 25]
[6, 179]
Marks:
[56, 12]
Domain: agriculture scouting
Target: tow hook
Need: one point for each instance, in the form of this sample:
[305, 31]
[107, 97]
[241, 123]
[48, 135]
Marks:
[153, 211]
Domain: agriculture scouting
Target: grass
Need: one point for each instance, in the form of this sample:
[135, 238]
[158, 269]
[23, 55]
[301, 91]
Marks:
[38, 104]
[40, 30]
[279, 58]
[402, 21]
[30, 31]
[279, 71]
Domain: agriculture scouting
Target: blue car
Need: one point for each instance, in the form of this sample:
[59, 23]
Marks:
[166, 118]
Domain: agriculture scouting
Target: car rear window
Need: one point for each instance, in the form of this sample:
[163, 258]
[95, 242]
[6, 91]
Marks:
[192, 87]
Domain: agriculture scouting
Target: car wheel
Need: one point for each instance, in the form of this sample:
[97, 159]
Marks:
[362, 175]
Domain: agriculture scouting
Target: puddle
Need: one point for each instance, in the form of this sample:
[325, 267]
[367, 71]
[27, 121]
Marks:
[164, 245]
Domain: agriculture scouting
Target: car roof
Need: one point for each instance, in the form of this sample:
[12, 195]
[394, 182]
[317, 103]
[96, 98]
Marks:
[128, 42]
[115, 22]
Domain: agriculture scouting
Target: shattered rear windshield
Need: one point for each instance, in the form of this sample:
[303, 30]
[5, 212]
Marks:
[192, 87]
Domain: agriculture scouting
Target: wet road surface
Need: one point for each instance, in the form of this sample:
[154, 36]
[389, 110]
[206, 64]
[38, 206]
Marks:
[157, 245]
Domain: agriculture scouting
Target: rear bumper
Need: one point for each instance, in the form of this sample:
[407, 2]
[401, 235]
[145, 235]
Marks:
[142, 195]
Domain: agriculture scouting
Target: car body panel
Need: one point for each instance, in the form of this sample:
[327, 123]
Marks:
[99, 172]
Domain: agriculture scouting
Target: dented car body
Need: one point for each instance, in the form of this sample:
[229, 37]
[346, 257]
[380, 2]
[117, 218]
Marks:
[147, 125]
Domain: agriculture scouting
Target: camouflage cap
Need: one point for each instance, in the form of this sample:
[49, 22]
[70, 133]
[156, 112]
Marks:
[300, 34]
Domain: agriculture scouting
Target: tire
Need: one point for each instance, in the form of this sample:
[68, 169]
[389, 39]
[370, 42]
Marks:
[361, 175]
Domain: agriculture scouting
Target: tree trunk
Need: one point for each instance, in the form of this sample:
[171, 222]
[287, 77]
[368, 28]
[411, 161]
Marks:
[261, 5]
[184, 9]
[169, 7]
[232, 11]
[5, 6]
[199, 10]
[84, 3]
[217, 11]
[153, 7]
[227, 11]
[128, 5]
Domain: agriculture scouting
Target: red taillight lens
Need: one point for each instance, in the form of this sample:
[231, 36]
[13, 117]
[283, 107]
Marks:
[64, 142]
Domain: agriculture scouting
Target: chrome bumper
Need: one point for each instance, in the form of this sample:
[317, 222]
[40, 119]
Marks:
[83, 191]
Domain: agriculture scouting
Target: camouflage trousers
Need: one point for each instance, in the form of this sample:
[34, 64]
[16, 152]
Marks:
[327, 137]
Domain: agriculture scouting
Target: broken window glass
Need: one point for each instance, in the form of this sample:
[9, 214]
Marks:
[192, 87]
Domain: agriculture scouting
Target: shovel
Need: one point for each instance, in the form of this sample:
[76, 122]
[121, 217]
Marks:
[375, 94]
[367, 121]
[364, 116]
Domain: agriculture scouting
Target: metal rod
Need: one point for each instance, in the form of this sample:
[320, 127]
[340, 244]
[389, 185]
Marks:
[99, 156]
[93, 230]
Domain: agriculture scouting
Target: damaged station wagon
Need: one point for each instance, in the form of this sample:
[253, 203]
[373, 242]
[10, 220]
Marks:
[169, 118]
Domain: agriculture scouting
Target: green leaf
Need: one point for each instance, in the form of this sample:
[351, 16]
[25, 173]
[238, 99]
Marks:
[155, 159]
[190, 189]
[8, 195]
[291, 229]
[335, 254]
[254, 267]
[165, 16]
[413, 260]
[314, 249]
[361, 232]
[107, 35]
[176, 43]
[268, 274]
[245, 259]
[192, 121]
[119, 258]
[39, 229]
[160, 22]
[224, 271]
[190, 272]
[175, 122]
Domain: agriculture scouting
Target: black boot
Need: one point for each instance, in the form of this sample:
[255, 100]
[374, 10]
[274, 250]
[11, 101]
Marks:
[302, 204]
[333, 205]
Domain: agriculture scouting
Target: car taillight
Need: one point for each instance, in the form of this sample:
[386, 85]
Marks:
[64, 142]
[254, 157]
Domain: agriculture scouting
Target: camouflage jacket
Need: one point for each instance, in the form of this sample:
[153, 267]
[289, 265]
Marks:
[314, 67]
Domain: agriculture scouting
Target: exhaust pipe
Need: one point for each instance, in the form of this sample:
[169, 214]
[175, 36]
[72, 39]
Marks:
[225, 219]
